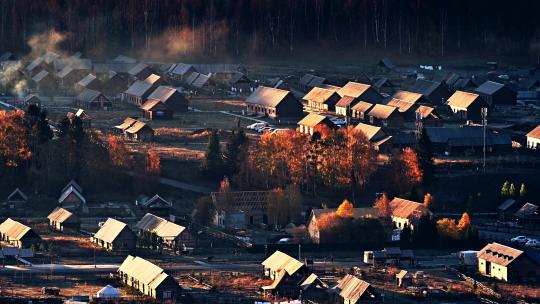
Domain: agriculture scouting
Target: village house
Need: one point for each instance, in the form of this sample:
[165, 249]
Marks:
[466, 105]
[360, 110]
[44, 81]
[139, 131]
[18, 235]
[274, 103]
[407, 213]
[17, 198]
[239, 83]
[507, 264]
[83, 116]
[155, 202]
[384, 86]
[291, 277]
[166, 233]
[309, 81]
[91, 99]
[429, 116]
[352, 290]
[32, 99]
[380, 141]
[466, 140]
[149, 279]
[507, 209]
[115, 236]
[496, 94]
[139, 91]
[90, 81]
[385, 116]
[313, 227]
[113, 83]
[407, 109]
[61, 219]
[198, 80]
[464, 84]
[533, 139]
[309, 124]
[36, 66]
[345, 104]
[140, 71]
[360, 91]
[237, 209]
[71, 196]
[389, 256]
[321, 100]
[181, 71]
[528, 216]
[170, 97]
[434, 92]
[404, 279]
[73, 73]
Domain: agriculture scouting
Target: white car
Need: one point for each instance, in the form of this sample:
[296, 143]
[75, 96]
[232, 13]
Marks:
[257, 125]
[265, 129]
[279, 131]
[338, 121]
[520, 239]
[532, 243]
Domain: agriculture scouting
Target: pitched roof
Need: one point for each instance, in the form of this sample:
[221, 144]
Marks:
[426, 112]
[162, 93]
[143, 271]
[88, 95]
[181, 69]
[319, 95]
[369, 131]
[362, 106]
[535, 133]
[424, 87]
[150, 104]
[59, 215]
[34, 64]
[160, 226]
[499, 254]
[402, 274]
[345, 101]
[351, 288]
[402, 105]
[138, 68]
[30, 97]
[407, 96]
[73, 183]
[381, 111]
[353, 89]
[110, 230]
[141, 87]
[506, 204]
[527, 210]
[124, 59]
[280, 261]
[13, 229]
[310, 80]
[136, 127]
[17, 192]
[88, 79]
[268, 97]
[403, 208]
[467, 135]
[462, 100]
[79, 64]
[40, 76]
[155, 198]
[71, 190]
[201, 80]
[128, 122]
[5, 56]
[312, 120]
[489, 87]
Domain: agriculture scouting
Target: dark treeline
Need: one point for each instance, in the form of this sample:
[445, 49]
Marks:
[256, 27]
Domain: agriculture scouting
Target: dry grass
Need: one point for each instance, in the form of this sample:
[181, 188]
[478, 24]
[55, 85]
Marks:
[519, 290]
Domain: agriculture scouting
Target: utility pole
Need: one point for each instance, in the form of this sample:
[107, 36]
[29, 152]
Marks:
[299, 252]
[419, 125]
[484, 125]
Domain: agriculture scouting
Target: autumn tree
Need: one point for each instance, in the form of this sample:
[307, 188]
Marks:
[153, 163]
[383, 205]
[428, 199]
[464, 223]
[512, 190]
[505, 190]
[294, 198]
[345, 209]
[522, 190]
[447, 228]
[119, 152]
[14, 147]
[405, 173]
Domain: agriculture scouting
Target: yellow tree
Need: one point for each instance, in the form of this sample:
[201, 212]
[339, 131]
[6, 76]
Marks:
[345, 209]
[447, 227]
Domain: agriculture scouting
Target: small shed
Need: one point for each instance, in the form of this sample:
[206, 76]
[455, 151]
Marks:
[116, 236]
[170, 97]
[92, 100]
[156, 202]
[17, 197]
[496, 94]
[404, 279]
[309, 124]
[62, 219]
[71, 198]
[139, 131]
[108, 292]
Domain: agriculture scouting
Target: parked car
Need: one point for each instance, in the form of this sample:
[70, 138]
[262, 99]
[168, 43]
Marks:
[265, 129]
[257, 125]
[338, 121]
[532, 243]
[279, 131]
[519, 239]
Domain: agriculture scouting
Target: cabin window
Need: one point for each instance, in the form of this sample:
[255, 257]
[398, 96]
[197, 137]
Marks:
[167, 294]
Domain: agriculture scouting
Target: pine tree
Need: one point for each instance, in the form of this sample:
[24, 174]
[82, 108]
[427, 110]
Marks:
[213, 162]
[405, 235]
[233, 151]
[505, 190]
[512, 190]
[522, 190]
[424, 151]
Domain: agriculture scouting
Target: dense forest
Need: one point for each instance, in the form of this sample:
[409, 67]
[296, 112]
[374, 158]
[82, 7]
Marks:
[177, 28]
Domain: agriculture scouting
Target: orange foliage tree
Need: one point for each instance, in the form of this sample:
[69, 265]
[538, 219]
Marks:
[118, 152]
[383, 205]
[428, 199]
[448, 228]
[13, 138]
[153, 163]
[328, 221]
[464, 223]
[345, 209]
[412, 166]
